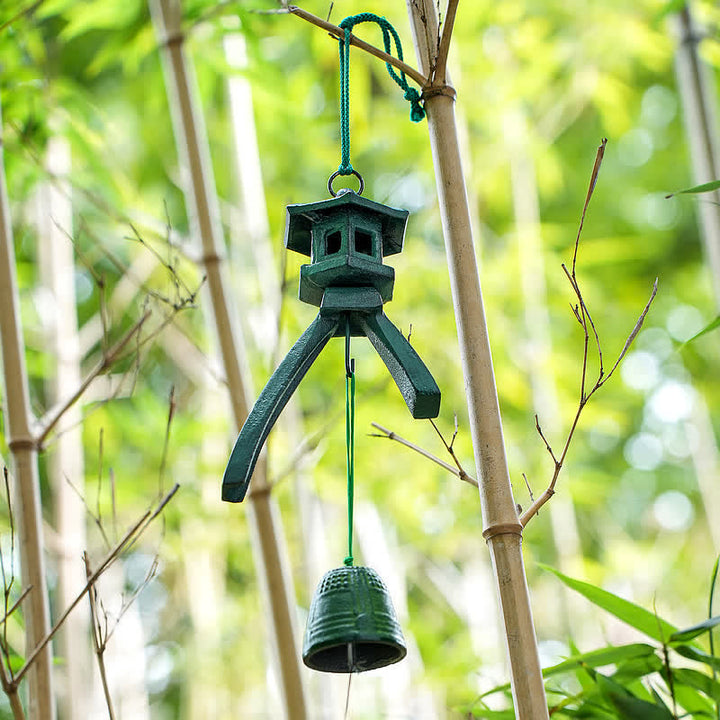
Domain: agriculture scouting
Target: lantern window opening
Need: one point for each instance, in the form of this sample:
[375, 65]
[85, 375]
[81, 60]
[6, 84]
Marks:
[364, 242]
[333, 242]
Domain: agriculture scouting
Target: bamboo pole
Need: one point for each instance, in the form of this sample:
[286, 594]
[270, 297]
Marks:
[23, 449]
[503, 532]
[65, 462]
[701, 122]
[202, 205]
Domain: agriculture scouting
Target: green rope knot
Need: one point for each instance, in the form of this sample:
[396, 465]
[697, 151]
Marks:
[348, 561]
[417, 113]
[390, 36]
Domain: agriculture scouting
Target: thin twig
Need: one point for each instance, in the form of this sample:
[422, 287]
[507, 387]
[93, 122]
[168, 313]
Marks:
[166, 441]
[584, 318]
[53, 416]
[16, 604]
[444, 47]
[99, 642]
[591, 188]
[125, 543]
[410, 71]
[457, 471]
[25, 11]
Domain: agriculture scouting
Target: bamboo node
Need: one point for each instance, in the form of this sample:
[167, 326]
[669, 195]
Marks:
[257, 491]
[434, 90]
[177, 38]
[502, 529]
[22, 443]
[211, 257]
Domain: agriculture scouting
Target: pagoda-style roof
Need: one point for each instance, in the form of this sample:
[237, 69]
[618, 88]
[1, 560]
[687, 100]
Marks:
[301, 218]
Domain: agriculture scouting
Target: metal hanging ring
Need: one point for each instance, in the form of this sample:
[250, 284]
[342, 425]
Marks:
[336, 173]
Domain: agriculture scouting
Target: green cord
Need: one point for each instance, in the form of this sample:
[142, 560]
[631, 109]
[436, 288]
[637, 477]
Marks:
[411, 94]
[350, 456]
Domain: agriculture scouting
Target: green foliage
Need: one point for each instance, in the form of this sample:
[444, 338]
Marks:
[642, 681]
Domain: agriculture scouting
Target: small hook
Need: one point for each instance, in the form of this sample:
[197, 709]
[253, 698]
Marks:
[349, 362]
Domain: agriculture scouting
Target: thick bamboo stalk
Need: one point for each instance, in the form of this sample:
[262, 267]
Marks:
[202, 204]
[502, 528]
[699, 103]
[66, 458]
[24, 467]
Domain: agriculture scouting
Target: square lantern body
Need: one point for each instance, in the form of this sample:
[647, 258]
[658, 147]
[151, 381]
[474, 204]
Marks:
[346, 238]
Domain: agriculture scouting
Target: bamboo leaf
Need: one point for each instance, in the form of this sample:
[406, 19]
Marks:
[705, 187]
[708, 328]
[695, 630]
[627, 705]
[698, 681]
[630, 613]
[611, 655]
[692, 653]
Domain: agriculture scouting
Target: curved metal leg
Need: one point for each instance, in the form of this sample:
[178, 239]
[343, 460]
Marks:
[269, 405]
[417, 385]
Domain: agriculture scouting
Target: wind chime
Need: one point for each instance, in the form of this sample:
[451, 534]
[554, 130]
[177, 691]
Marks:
[352, 625]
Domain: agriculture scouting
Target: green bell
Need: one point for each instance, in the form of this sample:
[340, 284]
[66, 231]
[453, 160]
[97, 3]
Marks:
[352, 624]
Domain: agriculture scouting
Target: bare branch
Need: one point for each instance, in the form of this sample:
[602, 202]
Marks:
[544, 439]
[411, 72]
[635, 331]
[25, 11]
[583, 316]
[591, 188]
[166, 442]
[98, 642]
[53, 416]
[17, 603]
[457, 471]
[11, 690]
[444, 48]
[125, 543]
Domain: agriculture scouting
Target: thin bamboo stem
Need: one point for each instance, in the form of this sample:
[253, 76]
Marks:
[338, 32]
[701, 122]
[503, 531]
[54, 223]
[202, 207]
[41, 705]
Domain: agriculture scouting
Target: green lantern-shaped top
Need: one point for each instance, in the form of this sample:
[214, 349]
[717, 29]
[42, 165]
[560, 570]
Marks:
[346, 238]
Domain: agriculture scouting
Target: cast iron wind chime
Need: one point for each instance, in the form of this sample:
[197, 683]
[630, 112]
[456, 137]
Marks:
[352, 625]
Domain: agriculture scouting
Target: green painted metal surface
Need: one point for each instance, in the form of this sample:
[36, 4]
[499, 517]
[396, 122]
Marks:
[346, 238]
[352, 624]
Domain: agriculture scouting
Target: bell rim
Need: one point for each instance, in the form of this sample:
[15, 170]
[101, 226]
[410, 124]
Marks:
[316, 650]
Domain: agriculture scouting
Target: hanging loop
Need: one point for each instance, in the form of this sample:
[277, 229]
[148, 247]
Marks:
[352, 172]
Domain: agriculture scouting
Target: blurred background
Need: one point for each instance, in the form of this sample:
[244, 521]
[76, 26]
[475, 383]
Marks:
[92, 167]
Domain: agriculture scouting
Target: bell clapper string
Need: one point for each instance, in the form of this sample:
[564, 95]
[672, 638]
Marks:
[347, 697]
[417, 113]
[349, 439]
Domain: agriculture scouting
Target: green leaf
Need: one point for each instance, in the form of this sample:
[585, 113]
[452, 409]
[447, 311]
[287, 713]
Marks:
[611, 655]
[705, 187]
[637, 668]
[695, 630]
[630, 613]
[627, 705]
[708, 328]
[698, 681]
[694, 654]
